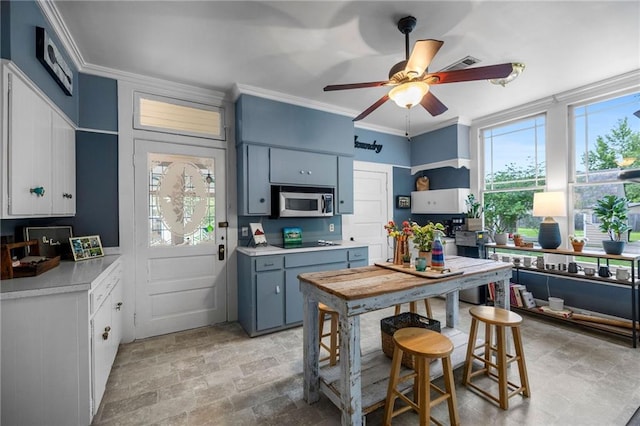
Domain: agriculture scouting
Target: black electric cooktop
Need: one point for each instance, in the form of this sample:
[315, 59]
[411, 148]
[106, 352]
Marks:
[319, 243]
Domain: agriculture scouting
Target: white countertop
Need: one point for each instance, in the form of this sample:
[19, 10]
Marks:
[68, 277]
[271, 250]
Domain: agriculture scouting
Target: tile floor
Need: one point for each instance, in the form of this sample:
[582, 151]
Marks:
[219, 376]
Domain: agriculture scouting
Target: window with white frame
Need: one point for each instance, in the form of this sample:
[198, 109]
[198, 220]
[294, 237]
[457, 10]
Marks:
[163, 114]
[514, 168]
[606, 139]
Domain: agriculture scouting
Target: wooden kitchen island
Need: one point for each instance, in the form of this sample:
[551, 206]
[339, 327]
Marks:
[358, 386]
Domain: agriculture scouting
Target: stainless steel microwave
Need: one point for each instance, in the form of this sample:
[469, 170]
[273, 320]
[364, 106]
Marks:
[294, 201]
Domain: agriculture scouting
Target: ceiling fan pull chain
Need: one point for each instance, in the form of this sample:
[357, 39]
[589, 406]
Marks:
[408, 125]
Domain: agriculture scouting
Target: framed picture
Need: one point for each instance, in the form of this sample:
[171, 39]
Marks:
[52, 240]
[257, 233]
[49, 55]
[403, 202]
[86, 247]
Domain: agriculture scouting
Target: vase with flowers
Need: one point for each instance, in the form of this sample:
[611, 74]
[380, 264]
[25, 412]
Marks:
[401, 237]
[423, 237]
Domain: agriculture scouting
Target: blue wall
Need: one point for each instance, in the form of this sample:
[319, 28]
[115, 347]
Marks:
[582, 294]
[24, 17]
[395, 150]
[98, 103]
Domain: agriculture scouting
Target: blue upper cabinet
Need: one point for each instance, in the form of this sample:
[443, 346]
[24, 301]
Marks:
[277, 124]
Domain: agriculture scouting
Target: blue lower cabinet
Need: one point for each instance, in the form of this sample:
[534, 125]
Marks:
[269, 297]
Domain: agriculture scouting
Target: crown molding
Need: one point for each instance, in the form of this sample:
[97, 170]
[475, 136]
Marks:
[52, 15]
[194, 92]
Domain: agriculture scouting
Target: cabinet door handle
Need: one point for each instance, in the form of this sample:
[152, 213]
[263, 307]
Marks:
[309, 172]
[67, 195]
[267, 264]
[105, 335]
[277, 289]
[118, 306]
[262, 200]
[39, 191]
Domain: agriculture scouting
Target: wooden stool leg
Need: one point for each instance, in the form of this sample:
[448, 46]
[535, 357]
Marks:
[393, 383]
[502, 367]
[427, 308]
[413, 308]
[450, 387]
[488, 342]
[397, 312]
[424, 393]
[522, 366]
[473, 332]
[333, 340]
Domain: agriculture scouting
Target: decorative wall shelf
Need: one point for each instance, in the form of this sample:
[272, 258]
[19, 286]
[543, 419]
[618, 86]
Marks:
[454, 162]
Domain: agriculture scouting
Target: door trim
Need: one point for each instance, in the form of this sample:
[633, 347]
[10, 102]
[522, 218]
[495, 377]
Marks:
[126, 136]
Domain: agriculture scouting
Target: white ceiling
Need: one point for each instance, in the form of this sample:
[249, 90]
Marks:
[297, 48]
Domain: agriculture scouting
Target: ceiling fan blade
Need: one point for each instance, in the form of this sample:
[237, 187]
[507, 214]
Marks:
[355, 85]
[422, 54]
[372, 108]
[470, 74]
[433, 104]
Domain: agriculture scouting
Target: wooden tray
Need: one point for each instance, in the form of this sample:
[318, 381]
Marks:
[412, 270]
[9, 271]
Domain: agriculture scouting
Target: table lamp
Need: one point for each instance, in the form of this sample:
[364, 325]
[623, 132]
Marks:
[547, 205]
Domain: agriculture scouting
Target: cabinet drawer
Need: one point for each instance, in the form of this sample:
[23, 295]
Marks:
[357, 254]
[103, 285]
[315, 258]
[269, 263]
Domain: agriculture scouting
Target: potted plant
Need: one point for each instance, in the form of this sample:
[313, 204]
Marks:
[612, 212]
[474, 210]
[499, 232]
[518, 240]
[423, 237]
[577, 242]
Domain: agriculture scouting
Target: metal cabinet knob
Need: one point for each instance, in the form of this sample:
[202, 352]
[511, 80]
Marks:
[262, 200]
[118, 306]
[105, 335]
[301, 172]
[67, 195]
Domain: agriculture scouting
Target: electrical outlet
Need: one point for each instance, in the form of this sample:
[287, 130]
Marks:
[331, 227]
[245, 231]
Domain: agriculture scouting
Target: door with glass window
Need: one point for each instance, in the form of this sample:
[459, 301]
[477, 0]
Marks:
[180, 237]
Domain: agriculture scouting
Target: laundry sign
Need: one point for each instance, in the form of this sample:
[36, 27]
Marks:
[363, 145]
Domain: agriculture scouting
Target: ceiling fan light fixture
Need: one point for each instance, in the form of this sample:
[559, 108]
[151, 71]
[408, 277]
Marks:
[517, 70]
[408, 95]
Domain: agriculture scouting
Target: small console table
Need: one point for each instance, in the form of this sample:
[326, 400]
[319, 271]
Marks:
[632, 259]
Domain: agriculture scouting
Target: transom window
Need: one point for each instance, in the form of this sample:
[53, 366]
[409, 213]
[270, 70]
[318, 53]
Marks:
[162, 114]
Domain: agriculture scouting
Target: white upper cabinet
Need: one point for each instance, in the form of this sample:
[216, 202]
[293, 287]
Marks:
[38, 146]
[63, 157]
[439, 201]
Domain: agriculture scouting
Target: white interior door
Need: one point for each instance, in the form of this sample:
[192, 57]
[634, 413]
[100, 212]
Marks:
[372, 209]
[179, 205]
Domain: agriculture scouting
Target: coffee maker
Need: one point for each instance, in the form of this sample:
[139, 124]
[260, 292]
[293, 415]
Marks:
[453, 225]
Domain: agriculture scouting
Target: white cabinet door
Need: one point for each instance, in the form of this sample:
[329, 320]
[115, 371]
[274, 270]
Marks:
[439, 200]
[29, 151]
[63, 173]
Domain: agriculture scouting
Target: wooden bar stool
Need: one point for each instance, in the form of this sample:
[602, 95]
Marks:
[498, 319]
[333, 345]
[424, 345]
[413, 308]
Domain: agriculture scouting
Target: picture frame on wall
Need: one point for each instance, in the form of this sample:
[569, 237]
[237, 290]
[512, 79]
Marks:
[88, 247]
[403, 202]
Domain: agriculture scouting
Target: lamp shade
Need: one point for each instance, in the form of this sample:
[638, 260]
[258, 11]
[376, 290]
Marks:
[409, 94]
[549, 204]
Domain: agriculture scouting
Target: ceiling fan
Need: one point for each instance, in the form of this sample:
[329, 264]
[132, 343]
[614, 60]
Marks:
[411, 80]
